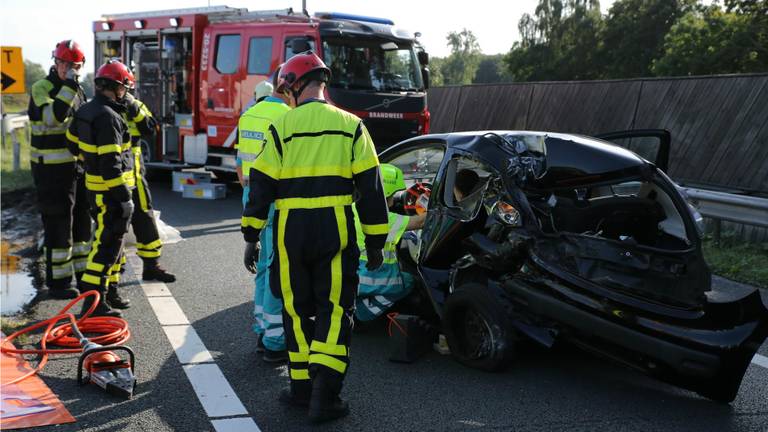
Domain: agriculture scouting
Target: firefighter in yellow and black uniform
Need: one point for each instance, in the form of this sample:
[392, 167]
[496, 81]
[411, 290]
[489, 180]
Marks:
[99, 133]
[58, 176]
[314, 158]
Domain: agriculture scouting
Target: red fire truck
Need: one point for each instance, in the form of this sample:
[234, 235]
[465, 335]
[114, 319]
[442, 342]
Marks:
[196, 70]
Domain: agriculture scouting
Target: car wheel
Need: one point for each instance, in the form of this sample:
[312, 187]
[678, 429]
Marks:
[477, 328]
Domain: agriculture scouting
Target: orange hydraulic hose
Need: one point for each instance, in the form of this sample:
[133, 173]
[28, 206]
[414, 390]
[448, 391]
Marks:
[111, 330]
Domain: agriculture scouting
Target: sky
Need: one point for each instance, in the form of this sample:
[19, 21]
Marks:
[37, 25]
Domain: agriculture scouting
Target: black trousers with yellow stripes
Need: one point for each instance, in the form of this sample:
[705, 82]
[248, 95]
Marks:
[63, 204]
[103, 265]
[314, 271]
[148, 243]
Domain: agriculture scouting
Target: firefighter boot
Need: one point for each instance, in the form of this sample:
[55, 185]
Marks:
[325, 403]
[63, 292]
[153, 271]
[102, 308]
[114, 300]
[297, 395]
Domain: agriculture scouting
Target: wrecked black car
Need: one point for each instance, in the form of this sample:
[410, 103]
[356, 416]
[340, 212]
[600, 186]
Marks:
[574, 238]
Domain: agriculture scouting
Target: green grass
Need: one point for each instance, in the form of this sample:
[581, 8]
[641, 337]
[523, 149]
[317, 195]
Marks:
[738, 260]
[9, 179]
[10, 325]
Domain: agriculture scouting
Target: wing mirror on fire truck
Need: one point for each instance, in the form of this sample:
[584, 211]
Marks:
[423, 58]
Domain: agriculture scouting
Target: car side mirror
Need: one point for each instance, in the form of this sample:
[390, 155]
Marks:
[425, 77]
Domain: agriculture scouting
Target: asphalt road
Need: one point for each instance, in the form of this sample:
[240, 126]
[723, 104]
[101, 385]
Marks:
[545, 390]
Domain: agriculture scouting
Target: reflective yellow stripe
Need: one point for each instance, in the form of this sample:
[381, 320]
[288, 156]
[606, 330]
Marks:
[309, 203]
[88, 148]
[252, 222]
[285, 287]
[66, 95]
[117, 181]
[91, 279]
[148, 254]
[359, 166]
[108, 148]
[322, 347]
[328, 361]
[335, 295]
[299, 374]
[143, 202]
[154, 245]
[297, 357]
[375, 229]
[70, 136]
[51, 156]
[316, 171]
[95, 266]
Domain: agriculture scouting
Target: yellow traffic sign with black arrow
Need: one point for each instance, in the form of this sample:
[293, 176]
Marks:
[12, 70]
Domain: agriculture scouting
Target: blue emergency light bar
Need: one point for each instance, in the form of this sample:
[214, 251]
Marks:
[351, 17]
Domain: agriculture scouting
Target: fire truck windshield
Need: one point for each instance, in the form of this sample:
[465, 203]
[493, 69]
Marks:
[375, 65]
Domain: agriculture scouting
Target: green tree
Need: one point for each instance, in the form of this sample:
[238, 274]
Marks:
[558, 42]
[633, 35]
[713, 41]
[461, 65]
[33, 72]
[491, 70]
[435, 74]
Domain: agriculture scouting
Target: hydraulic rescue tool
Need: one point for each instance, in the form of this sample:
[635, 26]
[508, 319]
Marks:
[101, 363]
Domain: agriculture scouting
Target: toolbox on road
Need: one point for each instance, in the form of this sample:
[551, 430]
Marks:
[209, 191]
[180, 179]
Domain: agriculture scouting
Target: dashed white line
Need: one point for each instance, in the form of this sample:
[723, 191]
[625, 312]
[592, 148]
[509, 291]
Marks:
[210, 385]
[760, 360]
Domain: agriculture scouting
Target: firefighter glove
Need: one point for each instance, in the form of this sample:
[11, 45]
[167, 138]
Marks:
[375, 259]
[132, 105]
[127, 207]
[251, 256]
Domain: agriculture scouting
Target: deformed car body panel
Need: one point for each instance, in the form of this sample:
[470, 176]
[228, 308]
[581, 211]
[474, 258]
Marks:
[628, 287]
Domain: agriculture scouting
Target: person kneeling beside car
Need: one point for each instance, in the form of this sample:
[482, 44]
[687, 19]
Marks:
[379, 289]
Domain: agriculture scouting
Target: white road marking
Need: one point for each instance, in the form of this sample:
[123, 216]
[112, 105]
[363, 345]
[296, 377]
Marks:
[214, 391]
[760, 360]
[168, 311]
[187, 345]
[235, 425]
[210, 385]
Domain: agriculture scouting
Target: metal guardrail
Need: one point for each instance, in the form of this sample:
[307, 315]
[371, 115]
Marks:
[722, 206]
[742, 209]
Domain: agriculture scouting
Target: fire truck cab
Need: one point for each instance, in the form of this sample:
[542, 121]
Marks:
[196, 69]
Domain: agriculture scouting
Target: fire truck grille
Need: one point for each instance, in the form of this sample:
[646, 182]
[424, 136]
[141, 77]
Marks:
[386, 132]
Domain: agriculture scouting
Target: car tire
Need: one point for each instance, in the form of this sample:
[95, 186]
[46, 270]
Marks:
[477, 328]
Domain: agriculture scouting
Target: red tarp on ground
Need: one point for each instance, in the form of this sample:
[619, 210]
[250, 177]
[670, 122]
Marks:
[30, 402]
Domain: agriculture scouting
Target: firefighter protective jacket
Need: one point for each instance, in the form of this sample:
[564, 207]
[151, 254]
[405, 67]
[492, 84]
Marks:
[99, 133]
[51, 107]
[317, 167]
[253, 127]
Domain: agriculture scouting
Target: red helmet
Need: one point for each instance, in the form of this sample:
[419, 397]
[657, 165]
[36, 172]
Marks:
[69, 51]
[297, 67]
[117, 72]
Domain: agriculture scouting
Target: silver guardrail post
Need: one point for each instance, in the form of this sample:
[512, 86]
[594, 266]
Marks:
[11, 122]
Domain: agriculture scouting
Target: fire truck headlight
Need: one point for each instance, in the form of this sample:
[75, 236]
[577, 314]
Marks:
[106, 25]
[174, 22]
[139, 24]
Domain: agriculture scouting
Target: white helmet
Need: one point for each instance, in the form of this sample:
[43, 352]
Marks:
[262, 90]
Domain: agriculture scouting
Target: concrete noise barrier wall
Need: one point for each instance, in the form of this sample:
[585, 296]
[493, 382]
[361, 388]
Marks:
[719, 124]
